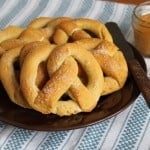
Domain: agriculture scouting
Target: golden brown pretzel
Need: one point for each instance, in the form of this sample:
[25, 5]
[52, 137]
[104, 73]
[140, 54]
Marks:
[8, 74]
[111, 60]
[9, 34]
[11, 44]
[78, 90]
[63, 71]
[13, 37]
[42, 74]
[28, 48]
[75, 29]
[40, 22]
[47, 72]
[2, 50]
[47, 25]
[9, 79]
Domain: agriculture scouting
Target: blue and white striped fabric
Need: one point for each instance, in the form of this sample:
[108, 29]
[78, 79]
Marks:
[129, 130]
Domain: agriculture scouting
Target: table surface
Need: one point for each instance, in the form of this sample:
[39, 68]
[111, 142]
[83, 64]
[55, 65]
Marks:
[136, 2]
[129, 130]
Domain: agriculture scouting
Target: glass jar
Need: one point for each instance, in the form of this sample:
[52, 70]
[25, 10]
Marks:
[141, 27]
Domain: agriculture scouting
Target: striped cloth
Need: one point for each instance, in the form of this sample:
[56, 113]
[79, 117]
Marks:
[129, 130]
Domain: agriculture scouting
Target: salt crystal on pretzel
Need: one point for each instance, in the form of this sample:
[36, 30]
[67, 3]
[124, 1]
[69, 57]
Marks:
[63, 70]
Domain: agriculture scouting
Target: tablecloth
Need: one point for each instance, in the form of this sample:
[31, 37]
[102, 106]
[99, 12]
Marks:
[129, 130]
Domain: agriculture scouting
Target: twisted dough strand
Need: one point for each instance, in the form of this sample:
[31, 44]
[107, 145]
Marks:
[84, 69]
[111, 60]
[78, 91]
[63, 71]
[47, 25]
[75, 29]
[12, 49]
[9, 79]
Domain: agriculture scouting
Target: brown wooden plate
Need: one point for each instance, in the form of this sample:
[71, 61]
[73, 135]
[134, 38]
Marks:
[107, 107]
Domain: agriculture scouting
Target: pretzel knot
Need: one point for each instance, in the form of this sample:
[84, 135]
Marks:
[12, 48]
[47, 25]
[62, 65]
[76, 30]
[111, 60]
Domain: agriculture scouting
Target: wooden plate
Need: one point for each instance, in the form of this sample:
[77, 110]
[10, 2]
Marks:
[107, 107]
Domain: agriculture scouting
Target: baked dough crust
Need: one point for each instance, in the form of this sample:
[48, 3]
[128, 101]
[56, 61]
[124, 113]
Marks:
[76, 30]
[63, 70]
[111, 60]
[60, 57]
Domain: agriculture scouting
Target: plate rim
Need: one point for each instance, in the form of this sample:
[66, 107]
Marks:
[35, 128]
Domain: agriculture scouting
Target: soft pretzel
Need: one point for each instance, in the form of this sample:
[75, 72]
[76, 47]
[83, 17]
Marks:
[10, 40]
[9, 79]
[2, 50]
[8, 74]
[42, 74]
[11, 44]
[78, 90]
[10, 32]
[28, 48]
[63, 70]
[111, 60]
[75, 29]
[31, 35]
[64, 78]
[47, 25]
[40, 22]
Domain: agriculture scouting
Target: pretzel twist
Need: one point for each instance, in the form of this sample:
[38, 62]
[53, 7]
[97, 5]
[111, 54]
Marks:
[47, 25]
[75, 29]
[111, 60]
[9, 79]
[40, 22]
[10, 40]
[82, 71]
[11, 52]
[7, 34]
[63, 70]
[11, 32]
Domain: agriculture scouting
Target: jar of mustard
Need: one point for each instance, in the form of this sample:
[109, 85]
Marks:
[141, 27]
